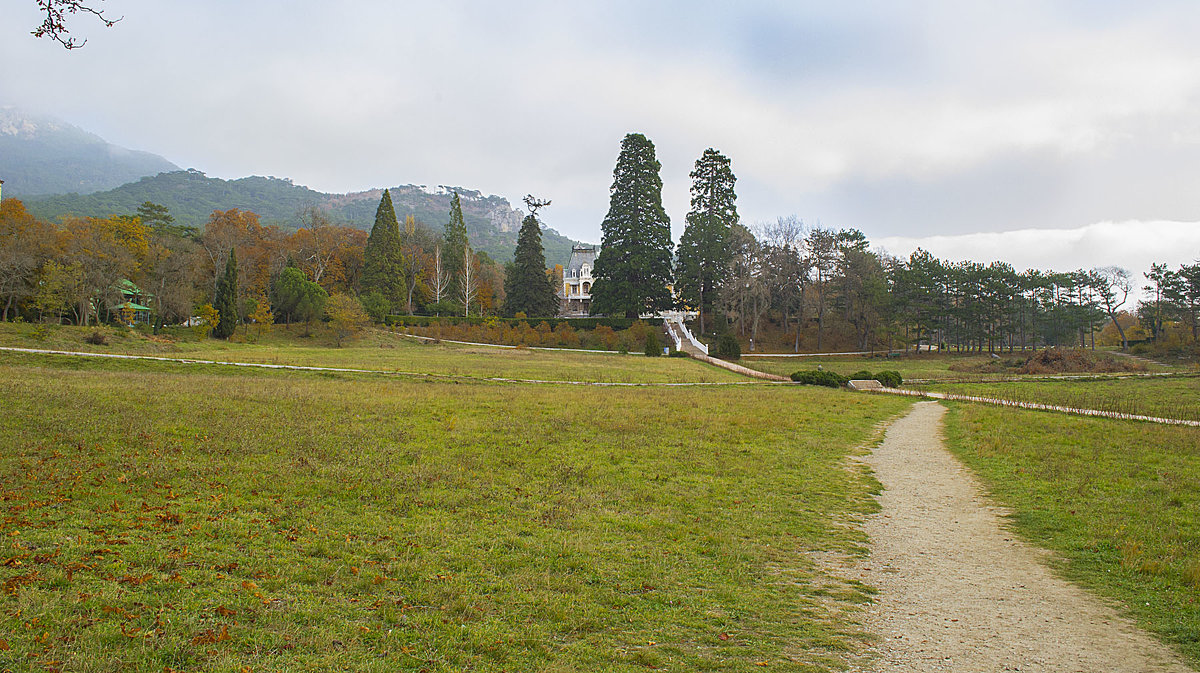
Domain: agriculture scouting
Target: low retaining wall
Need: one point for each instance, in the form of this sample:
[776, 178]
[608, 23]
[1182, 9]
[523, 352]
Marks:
[1037, 406]
[745, 371]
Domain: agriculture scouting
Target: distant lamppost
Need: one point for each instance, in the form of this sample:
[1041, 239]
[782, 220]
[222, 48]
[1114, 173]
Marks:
[1, 190]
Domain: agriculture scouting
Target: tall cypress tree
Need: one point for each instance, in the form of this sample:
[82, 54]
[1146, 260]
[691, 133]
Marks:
[703, 258]
[528, 288]
[633, 268]
[225, 300]
[383, 259]
[455, 251]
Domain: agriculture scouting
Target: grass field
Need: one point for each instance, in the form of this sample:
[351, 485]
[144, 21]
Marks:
[1167, 397]
[925, 366]
[161, 516]
[1118, 502]
[381, 350]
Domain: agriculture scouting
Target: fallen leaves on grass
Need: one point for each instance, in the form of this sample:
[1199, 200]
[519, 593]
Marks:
[209, 636]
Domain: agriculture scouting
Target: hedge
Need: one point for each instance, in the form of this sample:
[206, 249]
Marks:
[822, 377]
[576, 323]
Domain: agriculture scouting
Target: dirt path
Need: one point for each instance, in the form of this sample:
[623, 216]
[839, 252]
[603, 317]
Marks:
[958, 592]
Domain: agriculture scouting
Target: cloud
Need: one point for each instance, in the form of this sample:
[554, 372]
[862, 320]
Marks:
[927, 118]
[1133, 245]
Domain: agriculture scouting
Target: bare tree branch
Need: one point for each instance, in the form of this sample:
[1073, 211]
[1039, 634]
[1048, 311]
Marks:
[534, 204]
[54, 26]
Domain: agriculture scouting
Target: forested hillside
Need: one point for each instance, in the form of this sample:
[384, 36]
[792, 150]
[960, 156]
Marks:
[191, 196]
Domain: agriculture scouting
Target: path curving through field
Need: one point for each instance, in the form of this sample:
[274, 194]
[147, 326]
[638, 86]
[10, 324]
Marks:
[959, 592]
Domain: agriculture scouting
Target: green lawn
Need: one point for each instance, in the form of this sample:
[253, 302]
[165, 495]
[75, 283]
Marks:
[160, 516]
[1117, 501]
[1167, 397]
[926, 366]
[381, 350]
[912, 366]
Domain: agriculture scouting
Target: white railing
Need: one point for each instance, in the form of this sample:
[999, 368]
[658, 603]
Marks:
[675, 337]
[682, 328]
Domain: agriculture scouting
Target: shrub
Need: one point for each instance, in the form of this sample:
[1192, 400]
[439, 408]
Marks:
[96, 339]
[679, 354]
[890, 378]
[728, 347]
[606, 337]
[816, 377]
[653, 347]
[861, 375]
[444, 307]
[376, 305]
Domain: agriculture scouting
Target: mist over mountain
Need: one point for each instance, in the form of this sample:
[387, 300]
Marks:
[43, 155]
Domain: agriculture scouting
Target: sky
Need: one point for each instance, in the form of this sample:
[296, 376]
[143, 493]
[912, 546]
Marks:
[1047, 134]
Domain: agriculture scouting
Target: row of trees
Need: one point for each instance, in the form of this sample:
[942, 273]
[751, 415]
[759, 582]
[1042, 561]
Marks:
[829, 289]
[82, 269]
[821, 283]
[824, 288]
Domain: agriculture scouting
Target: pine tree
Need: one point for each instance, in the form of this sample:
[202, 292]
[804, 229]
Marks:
[633, 269]
[383, 259]
[528, 288]
[455, 252]
[225, 301]
[703, 257]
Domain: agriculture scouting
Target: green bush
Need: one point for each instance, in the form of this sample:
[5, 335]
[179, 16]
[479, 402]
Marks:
[816, 377]
[653, 347]
[890, 378]
[728, 347]
[679, 354]
[861, 375]
[376, 305]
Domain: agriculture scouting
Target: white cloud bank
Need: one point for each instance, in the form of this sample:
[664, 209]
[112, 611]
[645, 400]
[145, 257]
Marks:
[1132, 244]
[921, 119]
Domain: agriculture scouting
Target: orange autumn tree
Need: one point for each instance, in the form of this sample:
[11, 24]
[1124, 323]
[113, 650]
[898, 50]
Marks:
[107, 251]
[25, 244]
[261, 251]
[329, 254]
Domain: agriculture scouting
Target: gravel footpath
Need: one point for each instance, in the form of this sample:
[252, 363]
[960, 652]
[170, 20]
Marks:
[959, 592]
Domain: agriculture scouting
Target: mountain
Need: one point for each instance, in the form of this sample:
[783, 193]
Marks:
[191, 196]
[44, 155]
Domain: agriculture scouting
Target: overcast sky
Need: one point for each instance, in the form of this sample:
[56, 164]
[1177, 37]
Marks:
[920, 123]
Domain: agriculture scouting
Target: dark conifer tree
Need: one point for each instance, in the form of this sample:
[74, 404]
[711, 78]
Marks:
[383, 260]
[528, 288]
[225, 300]
[703, 258]
[455, 252]
[633, 268]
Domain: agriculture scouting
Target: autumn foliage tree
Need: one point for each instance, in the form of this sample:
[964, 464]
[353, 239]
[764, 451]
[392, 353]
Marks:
[261, 251]
[25, 244]
[106, 251]
[346, 316]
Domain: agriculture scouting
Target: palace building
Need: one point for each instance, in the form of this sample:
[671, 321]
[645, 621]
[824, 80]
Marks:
[575, 297]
